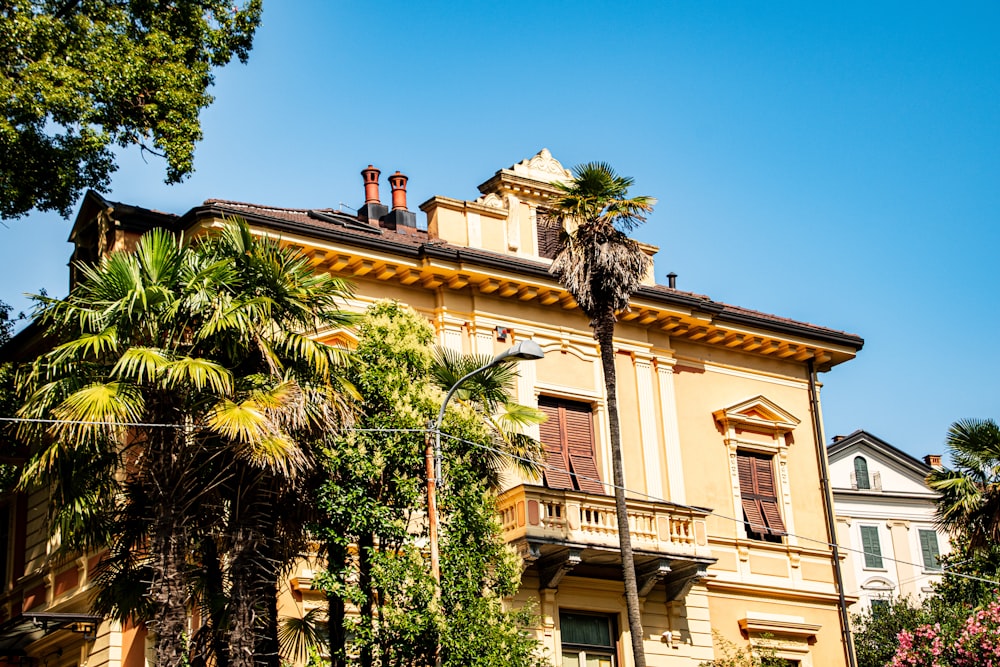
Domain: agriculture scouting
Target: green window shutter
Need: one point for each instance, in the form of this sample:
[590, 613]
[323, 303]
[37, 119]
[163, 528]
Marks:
[929, 549]
[871, 547]
[861, 473]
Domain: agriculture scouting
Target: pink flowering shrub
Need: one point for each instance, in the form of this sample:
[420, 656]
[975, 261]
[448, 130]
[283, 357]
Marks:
[977, 643]
[921, 648]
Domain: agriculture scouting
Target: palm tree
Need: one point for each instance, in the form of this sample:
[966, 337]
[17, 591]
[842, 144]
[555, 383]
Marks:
[602, 267]
[488, 396]
[187, 381]
[970, 494]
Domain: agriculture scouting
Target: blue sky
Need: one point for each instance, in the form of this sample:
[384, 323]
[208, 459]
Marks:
[835, 163]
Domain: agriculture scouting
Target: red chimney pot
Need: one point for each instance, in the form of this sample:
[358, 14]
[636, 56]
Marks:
[398, 183]
[370, 176]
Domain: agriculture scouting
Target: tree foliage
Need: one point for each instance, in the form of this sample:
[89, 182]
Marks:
[8, 399]
[382, 604]
[969, 498]
[187, 394]
[78, 77]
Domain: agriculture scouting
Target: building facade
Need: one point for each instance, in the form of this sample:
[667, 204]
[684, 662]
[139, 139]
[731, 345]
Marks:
[720, 417]
[885, 518]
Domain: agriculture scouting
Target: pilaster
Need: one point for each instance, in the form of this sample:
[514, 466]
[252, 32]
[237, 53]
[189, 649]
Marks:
[907, 576]
[671, 430]
[647, 425]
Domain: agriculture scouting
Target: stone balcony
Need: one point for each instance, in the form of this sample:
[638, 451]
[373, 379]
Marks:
[559, 532]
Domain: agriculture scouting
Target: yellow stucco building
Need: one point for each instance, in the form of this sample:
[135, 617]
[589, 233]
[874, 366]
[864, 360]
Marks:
[721, 427]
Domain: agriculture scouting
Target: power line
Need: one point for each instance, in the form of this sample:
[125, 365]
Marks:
[84, 422]
[607, 485]
[653, 498]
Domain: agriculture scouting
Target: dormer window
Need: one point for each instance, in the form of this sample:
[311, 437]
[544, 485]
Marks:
[861, 478]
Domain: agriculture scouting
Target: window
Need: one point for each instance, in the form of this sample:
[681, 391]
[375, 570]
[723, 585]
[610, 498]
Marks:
[861, 479]
[548, 235]
[588, 640]
[929, 549]
[880, 606]
[870, 545]
[568, 439]
[760, 497]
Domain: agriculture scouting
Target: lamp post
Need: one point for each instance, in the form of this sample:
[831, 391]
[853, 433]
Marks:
[526, 350]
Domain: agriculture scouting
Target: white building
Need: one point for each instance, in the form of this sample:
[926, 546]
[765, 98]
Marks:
[885, 519]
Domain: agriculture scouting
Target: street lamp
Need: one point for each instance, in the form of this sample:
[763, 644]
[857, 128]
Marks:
[526, 350]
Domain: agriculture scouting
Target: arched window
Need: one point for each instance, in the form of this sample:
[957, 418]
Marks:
[861, 473]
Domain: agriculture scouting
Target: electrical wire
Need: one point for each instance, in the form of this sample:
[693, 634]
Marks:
[714, 513]
[607, 485]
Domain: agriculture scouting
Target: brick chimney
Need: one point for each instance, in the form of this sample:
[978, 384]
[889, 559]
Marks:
[373, 210]
[933, 460]
[399, 216]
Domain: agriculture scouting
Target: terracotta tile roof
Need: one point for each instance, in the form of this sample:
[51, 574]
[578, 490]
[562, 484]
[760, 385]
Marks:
[347, 224]
[321, 218]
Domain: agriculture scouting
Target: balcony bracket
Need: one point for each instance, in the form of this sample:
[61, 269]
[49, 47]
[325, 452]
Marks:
[529, 553]
[683, 579]
[651, 574]
[552, 570]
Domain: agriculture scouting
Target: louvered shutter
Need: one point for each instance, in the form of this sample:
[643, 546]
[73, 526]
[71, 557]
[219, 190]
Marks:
[764, 470]
[568, 440]
[861, 472]
[579, 426]
[759, 495]
[549, 243]
[556, 473]
[870, 545]
[751, 508]
[929, 549]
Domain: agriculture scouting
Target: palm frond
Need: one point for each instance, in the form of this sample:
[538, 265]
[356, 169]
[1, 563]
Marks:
[141, 365]
[92, 345]
[296, 635]
[198, 373]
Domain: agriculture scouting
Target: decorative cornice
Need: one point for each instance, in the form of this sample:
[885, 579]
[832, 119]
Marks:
[435, 264]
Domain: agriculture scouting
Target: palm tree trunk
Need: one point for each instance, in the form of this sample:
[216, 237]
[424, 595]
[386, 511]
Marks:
[604, 331]
[168, 544]
[242, 631]
[215, 596]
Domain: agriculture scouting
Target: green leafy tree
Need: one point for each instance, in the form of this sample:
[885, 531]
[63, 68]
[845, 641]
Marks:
[78, 77]
[373, 530]
[969, 499]
[979, 586]
[602, 268]
[8, 402]
[186, 385]
[875, 629]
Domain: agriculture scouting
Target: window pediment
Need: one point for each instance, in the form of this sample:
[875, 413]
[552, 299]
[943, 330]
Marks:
[757, 414]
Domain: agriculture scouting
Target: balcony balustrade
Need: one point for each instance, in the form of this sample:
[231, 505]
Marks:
[572, 518]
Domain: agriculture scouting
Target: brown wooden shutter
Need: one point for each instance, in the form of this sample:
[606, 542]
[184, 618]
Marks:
[568, 440]
[556, 473]
[760, 497]
[769, 495]
[579, 423]
[549, 241]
